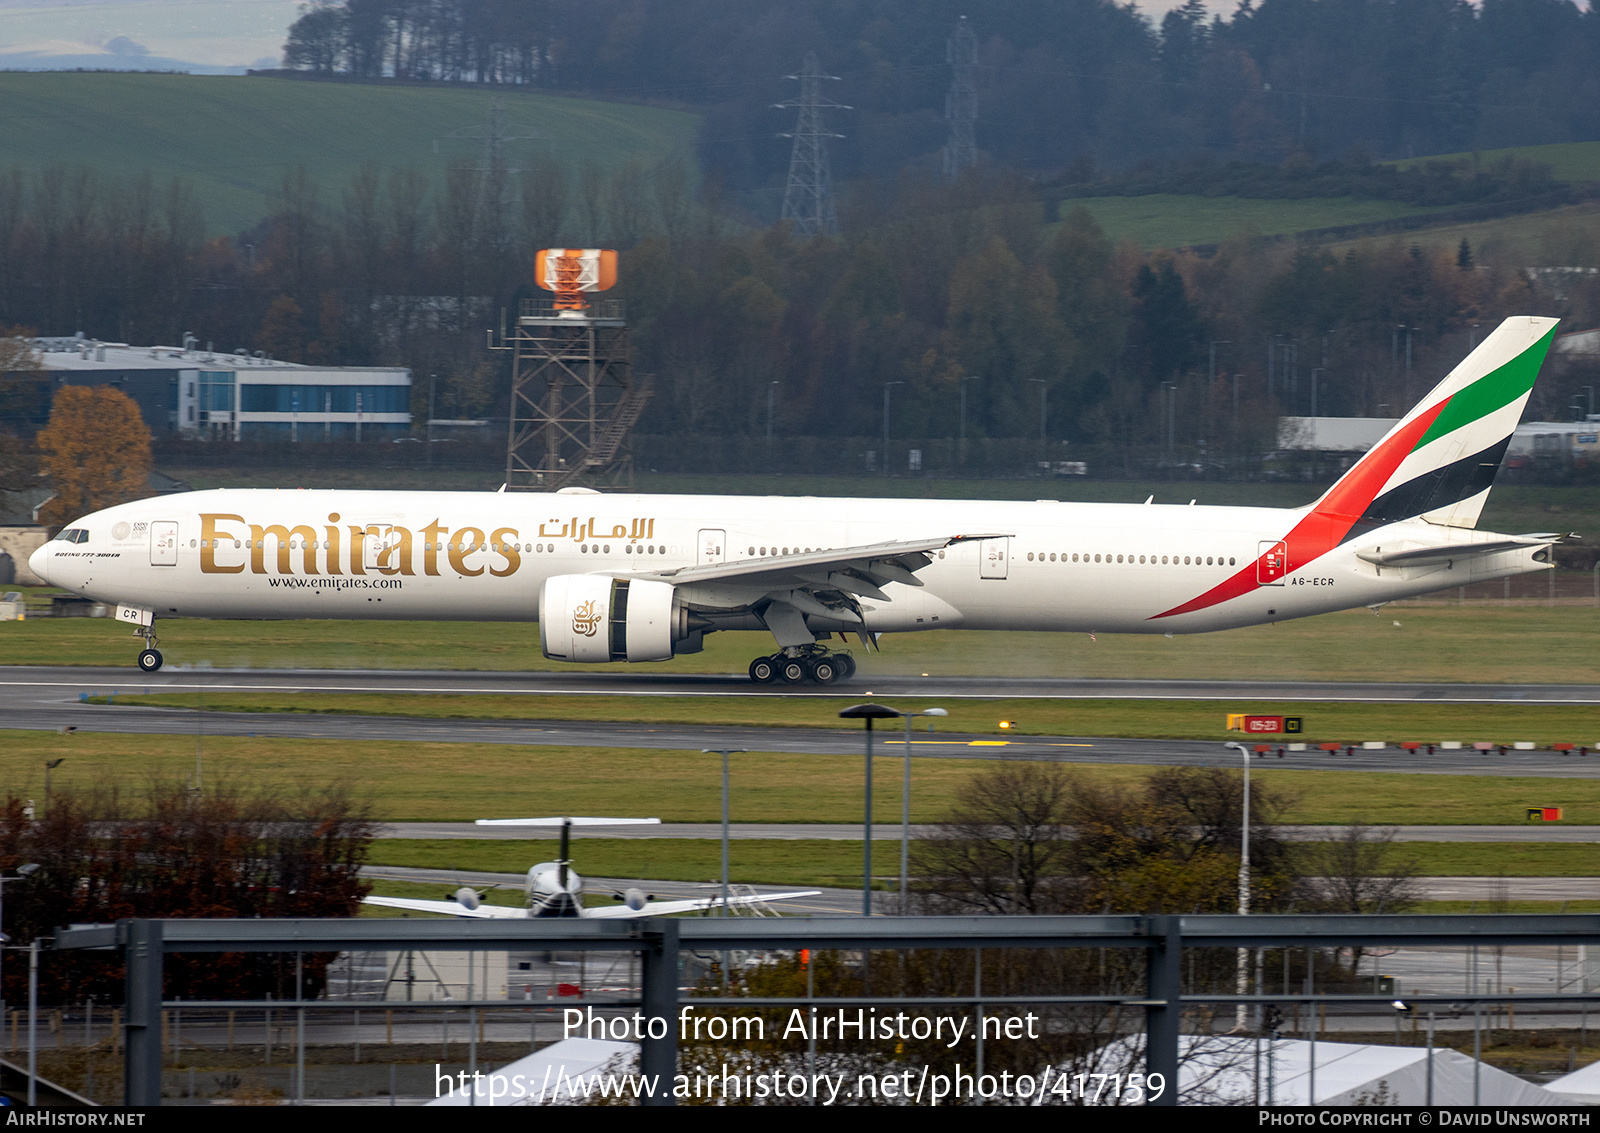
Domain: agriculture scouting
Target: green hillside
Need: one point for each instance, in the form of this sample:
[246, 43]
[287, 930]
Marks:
[1168, 220]
[1568, 161]
[233, 138]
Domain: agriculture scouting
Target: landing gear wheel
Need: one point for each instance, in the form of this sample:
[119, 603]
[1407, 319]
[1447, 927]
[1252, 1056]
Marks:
[824, 670]
[149, 660]
[847, 665]
[792, 670]
[763, 670]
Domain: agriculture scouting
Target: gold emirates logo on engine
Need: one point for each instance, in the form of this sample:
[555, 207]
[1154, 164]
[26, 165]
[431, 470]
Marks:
[585, 620]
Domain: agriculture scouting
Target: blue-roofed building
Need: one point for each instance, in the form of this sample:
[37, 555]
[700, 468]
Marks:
[232, 397]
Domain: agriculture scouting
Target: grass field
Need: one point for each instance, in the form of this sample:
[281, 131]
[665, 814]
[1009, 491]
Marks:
[838, 863]
[1166, 220]
[1430, 643]
[1568, 161]
[1142, 719]
[460, 782]
[1551, 236]
[234, 138]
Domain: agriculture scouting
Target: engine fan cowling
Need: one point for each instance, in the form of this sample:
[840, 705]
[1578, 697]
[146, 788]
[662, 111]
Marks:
[591, 618]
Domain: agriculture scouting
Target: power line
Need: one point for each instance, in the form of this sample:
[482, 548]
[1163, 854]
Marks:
[961, 104]
[492, 169]
[808, 195]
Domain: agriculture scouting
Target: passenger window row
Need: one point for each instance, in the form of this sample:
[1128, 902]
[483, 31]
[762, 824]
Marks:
[1147, 560]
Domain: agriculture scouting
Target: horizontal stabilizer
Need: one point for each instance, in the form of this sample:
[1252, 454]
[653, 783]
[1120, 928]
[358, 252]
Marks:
[1426, 556]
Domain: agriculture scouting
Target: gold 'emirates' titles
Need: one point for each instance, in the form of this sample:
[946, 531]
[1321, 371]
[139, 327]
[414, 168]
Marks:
[230, 544]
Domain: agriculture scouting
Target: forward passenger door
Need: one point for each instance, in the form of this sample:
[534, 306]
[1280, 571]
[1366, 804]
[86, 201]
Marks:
[993, 555]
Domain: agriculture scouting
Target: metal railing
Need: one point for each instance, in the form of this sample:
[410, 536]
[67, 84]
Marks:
[659, 944]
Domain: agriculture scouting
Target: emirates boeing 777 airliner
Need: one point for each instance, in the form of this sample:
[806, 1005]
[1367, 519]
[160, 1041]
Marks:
[641, 578]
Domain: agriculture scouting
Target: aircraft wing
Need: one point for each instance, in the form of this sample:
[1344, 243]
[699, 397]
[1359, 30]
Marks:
[667, 908]
[824, 583]
[448, 908]
[857, 570]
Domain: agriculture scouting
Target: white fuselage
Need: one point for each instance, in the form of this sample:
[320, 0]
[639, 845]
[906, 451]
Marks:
[1112, 568]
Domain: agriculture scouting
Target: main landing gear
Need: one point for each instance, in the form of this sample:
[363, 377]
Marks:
[817, 666]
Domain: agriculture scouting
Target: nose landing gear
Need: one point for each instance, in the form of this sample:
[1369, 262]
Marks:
[818, 666]
[149, 657]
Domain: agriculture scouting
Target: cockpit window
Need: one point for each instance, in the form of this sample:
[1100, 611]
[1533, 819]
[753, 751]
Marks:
[74, 535]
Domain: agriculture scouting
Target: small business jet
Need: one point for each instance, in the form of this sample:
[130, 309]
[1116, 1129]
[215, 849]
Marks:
[642, 578]
[554, 889]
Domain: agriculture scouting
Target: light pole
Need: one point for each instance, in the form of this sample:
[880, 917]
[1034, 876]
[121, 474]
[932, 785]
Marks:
[886, 387]
[1242, 979]
[771, 388]
[723, 911]
[1171, 390]
[869, 713]
[433, 381]
[49, 766]
[1314, 373]
[1394, 350]
[961, 434]
[1213, 369]
[33, 1021]
[905, 804]
[23, 873]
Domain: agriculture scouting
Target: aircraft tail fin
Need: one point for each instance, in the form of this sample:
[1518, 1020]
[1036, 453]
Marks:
[1440, 460]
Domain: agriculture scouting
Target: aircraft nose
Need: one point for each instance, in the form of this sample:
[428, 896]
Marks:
[39, 563]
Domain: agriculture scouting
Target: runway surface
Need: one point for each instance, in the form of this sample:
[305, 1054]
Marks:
[25, 684]
[48, 699]
[851, 832]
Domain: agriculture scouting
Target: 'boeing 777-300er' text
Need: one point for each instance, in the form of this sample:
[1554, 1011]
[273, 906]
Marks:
[643, 577]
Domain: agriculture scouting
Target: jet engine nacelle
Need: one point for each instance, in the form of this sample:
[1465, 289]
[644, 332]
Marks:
[591, 618]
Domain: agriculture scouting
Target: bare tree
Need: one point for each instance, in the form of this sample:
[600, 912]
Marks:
[1039, 838]
[1008, 848]
[1361, 872]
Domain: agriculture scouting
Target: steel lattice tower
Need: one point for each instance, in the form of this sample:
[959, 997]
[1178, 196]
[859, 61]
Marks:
[961, 104]
[808, 196]
[574, 397]
[492, 169]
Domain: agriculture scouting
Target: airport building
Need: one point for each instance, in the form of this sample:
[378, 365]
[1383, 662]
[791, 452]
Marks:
[1578, 439]
[234, 397]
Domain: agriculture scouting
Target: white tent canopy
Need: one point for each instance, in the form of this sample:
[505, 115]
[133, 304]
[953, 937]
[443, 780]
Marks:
[1230, 1070]
[553, 1074]
[1582, 1086]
